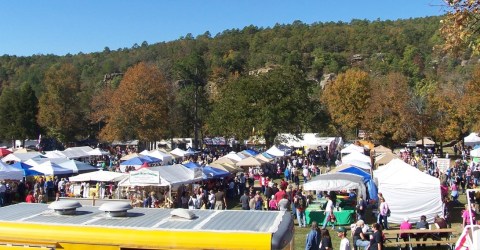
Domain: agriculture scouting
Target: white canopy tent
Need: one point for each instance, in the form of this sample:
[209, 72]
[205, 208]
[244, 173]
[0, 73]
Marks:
[77, 166]
[170, 175]
[165, 157]
[408, 191]
[356, 156]
[8, 172]
[21, 157]
[472, 139]
[336, 182]
[178, 153]
[98, 152]
[50, 168]
[100, 175]
[352, 148]
[235, 157]
[275, 151]
[360, 164]
[473, 153]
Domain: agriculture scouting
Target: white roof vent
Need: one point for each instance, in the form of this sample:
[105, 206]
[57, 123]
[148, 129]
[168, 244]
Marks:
[115, 209]
[65, 207]
[183, 213]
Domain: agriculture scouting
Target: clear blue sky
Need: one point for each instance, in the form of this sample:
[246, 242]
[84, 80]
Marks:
[67, 26]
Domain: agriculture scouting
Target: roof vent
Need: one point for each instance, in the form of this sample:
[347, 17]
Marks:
[115, 209]
[183, 213]
[65, 207]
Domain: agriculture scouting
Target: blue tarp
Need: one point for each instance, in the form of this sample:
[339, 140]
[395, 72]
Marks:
[372, 190]
[26, 169]
[356, 171]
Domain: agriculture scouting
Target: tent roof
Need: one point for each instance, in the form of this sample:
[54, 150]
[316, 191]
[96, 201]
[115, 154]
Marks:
[263, 158]
[408, 191]
[385, 158]
[352, 148]
[8, 172]
[472, 139]
[426, 141]
[165, 157]
[100, 175]
[21, 156]
[336, 182]
[225, 167]
[356, 156]
[98, 152]
[382, 149]
[77, 166]
[247, 162]
[176, 174]
[225, 159]
[275, 151]
[367, 144]
[50, 168]
[129, 156]
[27, 171]
[178, 152]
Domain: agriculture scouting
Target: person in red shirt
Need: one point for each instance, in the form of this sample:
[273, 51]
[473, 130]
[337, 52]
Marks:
[30, 198]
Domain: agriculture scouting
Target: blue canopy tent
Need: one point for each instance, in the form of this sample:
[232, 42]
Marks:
[215, 172]
[250, 152]
[140, 160]
[367, 178]
[26, 169]
[208, 172]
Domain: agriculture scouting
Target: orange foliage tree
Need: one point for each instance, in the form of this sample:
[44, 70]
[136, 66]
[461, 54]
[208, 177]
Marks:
[139, 107]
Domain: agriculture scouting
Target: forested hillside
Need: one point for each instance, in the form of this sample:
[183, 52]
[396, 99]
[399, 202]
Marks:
[334, 78]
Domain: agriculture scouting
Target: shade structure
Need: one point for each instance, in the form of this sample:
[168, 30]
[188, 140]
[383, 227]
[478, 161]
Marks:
[250, 152]
[4, 152]
[336, 182]
[98, 152]
[77, 166]
[213, 173]
[235, 157]
[21, 156]
[100, 175]
[382, 150]
[8, 172]
[129, 156]
[367, 144]
[178, 153]
[357, 156]
[170, 175]
[352, 148]
[248, 162]
[472, 139]
[263, 158]
[426, 142]
[165, 157]
[50, 168]
[225, 167]
[408, 191]
[275, 151]
[27, 171]
[385, 159]
[137, 161]
[224, 159]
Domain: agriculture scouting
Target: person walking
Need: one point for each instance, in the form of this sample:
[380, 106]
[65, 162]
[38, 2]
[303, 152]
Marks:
[313, 238]
[383, 213]
[328, 212]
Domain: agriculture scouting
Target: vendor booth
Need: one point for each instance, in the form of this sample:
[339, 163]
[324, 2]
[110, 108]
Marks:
[408, 191]
[334, 182]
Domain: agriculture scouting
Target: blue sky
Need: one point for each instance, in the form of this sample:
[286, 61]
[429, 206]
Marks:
[62, 26]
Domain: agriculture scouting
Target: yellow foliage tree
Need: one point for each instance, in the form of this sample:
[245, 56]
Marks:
[347, 99]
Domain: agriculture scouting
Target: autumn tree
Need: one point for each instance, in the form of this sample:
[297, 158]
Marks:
[388, 118]
[138, 109]
[469, 106]
[59, 107]
[346, 99]
[460, 27]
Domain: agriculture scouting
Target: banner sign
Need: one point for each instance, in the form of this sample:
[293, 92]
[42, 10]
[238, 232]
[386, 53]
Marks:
[144, 176]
